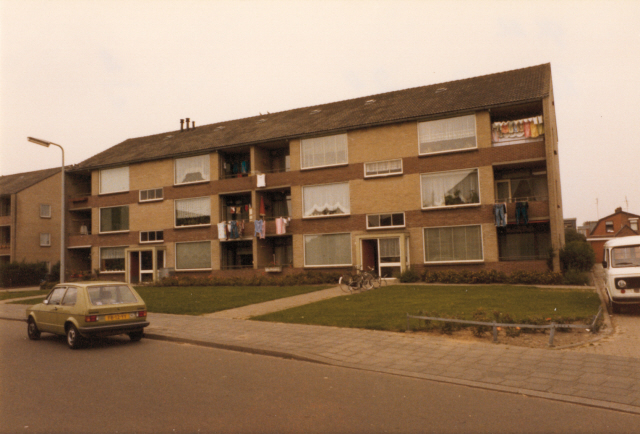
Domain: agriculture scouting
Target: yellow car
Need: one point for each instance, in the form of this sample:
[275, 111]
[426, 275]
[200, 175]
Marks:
[82, 310]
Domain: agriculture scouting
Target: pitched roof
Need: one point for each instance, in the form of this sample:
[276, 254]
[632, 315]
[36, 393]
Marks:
[11, 184]
[625, 231]
[520, 85]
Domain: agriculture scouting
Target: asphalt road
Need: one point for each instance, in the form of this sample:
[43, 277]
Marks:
[116, 385]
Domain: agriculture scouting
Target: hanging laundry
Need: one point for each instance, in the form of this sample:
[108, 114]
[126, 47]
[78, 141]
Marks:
[527, 129]
[244, 166]
[222, 230]
[500, 211]
[262, 208]
[240, 228]
[234, 168]
[233, 233]
[257, 227]
[261, 180]
[280, 226]
[522, 212]
[263, 230]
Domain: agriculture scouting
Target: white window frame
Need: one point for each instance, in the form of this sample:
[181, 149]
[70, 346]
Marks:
[392, 226]
[206, 157]
[382, 175]
[100, 220]
[45, 215]
[156, 199]
[192, 269]
[47, 240]
[475, 123]
[175, 217]
[111, 170]
[302, 144]
[304, 250]
[112, 271]
[329, 215]
[462, 205]
[471, 261]
[150, 242]
[632, 223]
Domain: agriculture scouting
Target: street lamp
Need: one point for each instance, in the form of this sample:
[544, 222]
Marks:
[46, 144]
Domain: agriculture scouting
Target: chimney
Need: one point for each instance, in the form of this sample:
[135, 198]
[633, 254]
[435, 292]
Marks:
[181, 124]
[619, 209]
[187, 123]
[193, 125]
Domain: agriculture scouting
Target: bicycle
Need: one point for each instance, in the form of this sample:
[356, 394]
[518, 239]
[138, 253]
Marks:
[356, 282]
[377, 280]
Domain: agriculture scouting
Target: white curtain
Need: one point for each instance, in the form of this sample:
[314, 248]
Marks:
[192, 169]
[330, 249]
[193, 256]
[326, 199]
[389, 249]
[384, 167]
[114, 180]
[112, 253]
[462, 243]
[450, 188]
[193, 208]
[447, 134]
[324, 151]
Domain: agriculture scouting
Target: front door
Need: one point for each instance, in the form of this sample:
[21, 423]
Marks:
[146, 266]
[382, 255]
[134, 267]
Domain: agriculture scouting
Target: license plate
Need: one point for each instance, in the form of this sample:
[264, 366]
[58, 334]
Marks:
[116, 317]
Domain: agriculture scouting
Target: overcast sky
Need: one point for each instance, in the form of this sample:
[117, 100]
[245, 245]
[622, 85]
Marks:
[89, 74]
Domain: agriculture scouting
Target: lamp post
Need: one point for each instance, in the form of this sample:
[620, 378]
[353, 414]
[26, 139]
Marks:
[46, 144]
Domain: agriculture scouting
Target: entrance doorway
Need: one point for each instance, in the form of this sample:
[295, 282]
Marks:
[141, 265]
[383, 255]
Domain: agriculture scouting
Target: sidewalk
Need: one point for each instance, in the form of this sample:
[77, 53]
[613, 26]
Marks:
[603, 381]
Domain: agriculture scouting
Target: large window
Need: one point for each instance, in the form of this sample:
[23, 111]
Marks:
[453, 244]
[327, 250]
[458, 187]
[114, 219]
[324, 151]
[524, 243]
[114, 180]
[193, 212]
[193, 256]
[192, 169]
[447, 134]
[522, 189]
[326, 199]
[112, 259]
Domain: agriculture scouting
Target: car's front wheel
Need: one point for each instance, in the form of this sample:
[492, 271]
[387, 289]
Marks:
[136, 336]
[74, 340]
[32, 330]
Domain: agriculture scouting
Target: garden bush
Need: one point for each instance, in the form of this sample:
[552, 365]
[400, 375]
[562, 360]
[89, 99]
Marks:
[575, 277]
[409, 276]
[22, 273]
[577, 255]
[294, 279]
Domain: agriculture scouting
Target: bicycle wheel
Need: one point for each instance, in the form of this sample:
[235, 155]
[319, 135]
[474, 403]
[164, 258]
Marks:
[345, 283]
[367, 281]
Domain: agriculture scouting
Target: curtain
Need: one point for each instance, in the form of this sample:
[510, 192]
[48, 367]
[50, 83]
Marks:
[331, 249]
[193, 256]
[326, 199]
[450, 188]
[192, 169]
[195, 211]
[384, 167]
[114, 180]
[324, 151]
[389, 249]
[463, 243]
[447, 134]
[112, 253]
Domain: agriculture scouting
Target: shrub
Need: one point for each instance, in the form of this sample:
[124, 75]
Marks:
[22, 273]
[294, 279]
[571, 235]
[409, 276]
[481, 316]
[577, 255]
[575, 277]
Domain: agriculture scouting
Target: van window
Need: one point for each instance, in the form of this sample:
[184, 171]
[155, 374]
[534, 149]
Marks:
[625, 256]
[606, 257]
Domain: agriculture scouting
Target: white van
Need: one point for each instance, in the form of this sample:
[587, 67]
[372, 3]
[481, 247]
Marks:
[622, 271]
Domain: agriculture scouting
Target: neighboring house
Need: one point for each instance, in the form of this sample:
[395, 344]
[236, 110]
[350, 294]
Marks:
[30, 217]
[402, 179]
[586, 228]
[571, 224]
[616, 225]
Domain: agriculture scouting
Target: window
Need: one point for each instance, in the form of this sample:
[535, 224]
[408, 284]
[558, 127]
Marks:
[383, 168]
[152, 237]
[5, 206]
[193, 256]
[112, 259]
[609, 226]
[453, 244]
[114, 219]
[193, 212]
[524, 243]
[114, 180]
[151, 195]
[70, 297]
[625, 256]
[633, 224]
[192, 169]
[45, 211]
[522, 189]
[383, 221]
[458, 187]
[113, 294]
[326, 199]
[327, 250]
[56, 296]
[324, 151]
[45, 240]
[446, 135]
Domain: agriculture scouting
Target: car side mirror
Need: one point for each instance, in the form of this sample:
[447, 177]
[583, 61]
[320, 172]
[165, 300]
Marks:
[46, 302]
[604, 264]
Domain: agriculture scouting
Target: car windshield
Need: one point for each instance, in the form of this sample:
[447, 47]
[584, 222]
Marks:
[113, 294]
[627, 256]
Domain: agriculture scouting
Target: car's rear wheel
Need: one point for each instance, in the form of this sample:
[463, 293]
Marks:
[136, 336]
[32, 330]
[74, 340]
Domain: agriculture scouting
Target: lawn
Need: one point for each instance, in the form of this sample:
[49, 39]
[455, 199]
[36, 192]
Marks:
[20, 294]
[197, 300]
[386, 308]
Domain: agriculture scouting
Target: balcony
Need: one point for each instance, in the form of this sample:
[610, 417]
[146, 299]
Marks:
[235, 164]
[517, 124]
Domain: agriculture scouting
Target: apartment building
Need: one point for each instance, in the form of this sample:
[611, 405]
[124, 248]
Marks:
[616, 225]
[460, 175]
[30, 217]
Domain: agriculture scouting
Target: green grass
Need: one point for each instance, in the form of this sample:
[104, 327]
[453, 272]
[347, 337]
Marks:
[196, 300]
[20, 294]
[386, 308]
